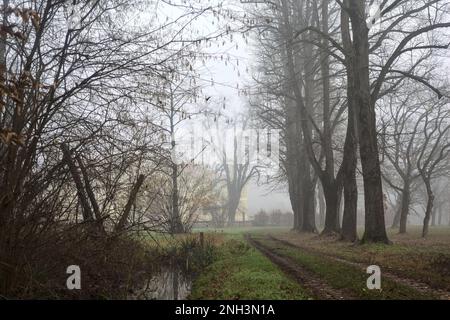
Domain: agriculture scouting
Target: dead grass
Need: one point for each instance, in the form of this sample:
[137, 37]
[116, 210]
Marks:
[425, 260]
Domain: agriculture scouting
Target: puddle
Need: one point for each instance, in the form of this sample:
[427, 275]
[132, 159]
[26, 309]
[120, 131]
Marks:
[170, 283]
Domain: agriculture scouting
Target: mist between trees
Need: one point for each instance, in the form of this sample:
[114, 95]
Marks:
[360, 92]
[94, 95]
[207, 146]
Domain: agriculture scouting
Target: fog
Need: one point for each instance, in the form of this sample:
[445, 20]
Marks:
[224, 150]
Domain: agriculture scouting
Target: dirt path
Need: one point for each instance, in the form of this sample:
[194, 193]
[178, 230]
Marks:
[307, 279]
[419, 286]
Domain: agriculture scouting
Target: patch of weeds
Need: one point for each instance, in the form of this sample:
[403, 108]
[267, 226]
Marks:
[242, 272]
[347, 278]
[441, 264]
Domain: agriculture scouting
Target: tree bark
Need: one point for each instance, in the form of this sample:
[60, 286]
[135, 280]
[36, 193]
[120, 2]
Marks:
[293, 161]
[330, 190]
[375, 228]
[87, 212]
[404, 210]
[131, 200]
[233, 204]
[3, 39]
[340, 205]
[322, 204]
[176, 225]
[308, 223]
[293, 199]
[398, 208]
[429, 209]
[297, 199]
[349, 219]
[91, 195]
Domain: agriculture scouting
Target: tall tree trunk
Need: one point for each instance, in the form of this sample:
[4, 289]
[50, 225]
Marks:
[131, 200]
[176, 223]
[321, 201]
[333, 185]
[308, 223]
[308, 211]
[6, 273]
[308, 108]
[301, 73]
[87, 211]
[175, 284]
[404, 210]
[330, 190]
[429, 209]
[349, 220]
[300, 200]
[293, 199]
[375, 228]
[294, 161]
[340, 205]
[397, 214]
[233, 204]
[91, 195]
[3, 38]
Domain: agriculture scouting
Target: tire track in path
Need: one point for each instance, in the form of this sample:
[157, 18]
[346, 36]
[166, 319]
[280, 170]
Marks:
[308, 280]
[416, 285]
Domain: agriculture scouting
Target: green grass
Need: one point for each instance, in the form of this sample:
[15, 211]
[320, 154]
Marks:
[410, 256]
[344, 277]
[241, 230]
[425, 264]
[241, 272]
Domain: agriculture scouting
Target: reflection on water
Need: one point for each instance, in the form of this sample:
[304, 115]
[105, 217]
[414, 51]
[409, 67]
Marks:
[171, 283]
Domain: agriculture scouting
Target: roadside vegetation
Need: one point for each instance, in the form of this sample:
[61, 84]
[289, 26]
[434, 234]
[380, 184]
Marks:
[350, 279]
[410, 256]
[242, 272]
[126, 124]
